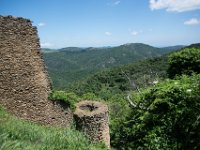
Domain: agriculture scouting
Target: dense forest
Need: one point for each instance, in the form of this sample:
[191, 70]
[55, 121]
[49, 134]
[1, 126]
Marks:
[154, 103]
[71, 64]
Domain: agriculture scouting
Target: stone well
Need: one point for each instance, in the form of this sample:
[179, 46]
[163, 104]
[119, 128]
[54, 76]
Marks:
[91, 117]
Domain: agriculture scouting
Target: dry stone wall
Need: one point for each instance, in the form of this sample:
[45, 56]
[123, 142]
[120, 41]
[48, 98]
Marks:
[24, 83]
[91, 117]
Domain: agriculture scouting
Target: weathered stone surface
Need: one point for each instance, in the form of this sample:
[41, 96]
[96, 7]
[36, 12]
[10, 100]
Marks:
[24, 83]
[91, 117]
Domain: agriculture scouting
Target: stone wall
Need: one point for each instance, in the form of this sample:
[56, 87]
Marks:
[91, 117]
[24, 84]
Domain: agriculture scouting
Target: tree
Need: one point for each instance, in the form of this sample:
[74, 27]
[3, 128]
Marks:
[186, 61]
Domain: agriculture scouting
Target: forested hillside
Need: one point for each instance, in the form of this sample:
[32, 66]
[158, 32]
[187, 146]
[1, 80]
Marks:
[119, 79]
[133, 76]
[154, 104]
[68, 65]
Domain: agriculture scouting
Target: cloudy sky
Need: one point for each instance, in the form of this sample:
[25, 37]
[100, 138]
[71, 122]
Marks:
[84, 23]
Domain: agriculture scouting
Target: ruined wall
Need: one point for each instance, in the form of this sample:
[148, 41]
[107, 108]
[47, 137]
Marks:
[91, 117]
[24, 84]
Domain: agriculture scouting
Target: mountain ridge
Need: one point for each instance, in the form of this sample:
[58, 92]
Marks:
[74, 48]
[71, 64]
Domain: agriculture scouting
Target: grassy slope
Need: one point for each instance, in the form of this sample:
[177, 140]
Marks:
[21, 135]
[67, 66]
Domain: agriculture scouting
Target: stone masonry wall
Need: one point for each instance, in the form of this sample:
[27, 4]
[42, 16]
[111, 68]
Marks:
[24, 84]
[91, 117]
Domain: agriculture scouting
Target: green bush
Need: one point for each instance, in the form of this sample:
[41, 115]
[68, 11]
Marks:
[169, 119]
[69, 98]
[186, 61]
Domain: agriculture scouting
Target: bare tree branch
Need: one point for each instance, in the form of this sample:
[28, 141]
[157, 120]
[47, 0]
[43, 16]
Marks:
[132, 83]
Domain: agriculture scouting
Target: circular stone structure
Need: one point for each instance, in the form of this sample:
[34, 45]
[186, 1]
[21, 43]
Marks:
[91, 117]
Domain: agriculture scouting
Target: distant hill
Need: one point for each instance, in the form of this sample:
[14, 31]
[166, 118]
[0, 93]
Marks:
[48, 50]
[141, 74]
[196, 45]
[117, 80]
[71, 49]
[174, 47]
[68, 65]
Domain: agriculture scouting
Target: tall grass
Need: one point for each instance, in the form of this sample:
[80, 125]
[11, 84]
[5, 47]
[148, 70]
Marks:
[16, 134]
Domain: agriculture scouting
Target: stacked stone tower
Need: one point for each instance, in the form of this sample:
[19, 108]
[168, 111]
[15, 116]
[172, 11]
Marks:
[24, 83]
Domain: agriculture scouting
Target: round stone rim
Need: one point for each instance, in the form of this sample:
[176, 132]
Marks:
[98, 108]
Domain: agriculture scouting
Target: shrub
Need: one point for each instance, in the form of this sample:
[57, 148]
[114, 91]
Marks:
[69, 98]
[186, 61]
[170, 118]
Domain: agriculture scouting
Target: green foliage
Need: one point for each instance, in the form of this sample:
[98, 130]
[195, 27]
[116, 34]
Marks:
[169, 118]
[166, 115]
[186, 61]
[114, 81]
[69, 98]
[22, 135]
[69, 65]
[117, 103]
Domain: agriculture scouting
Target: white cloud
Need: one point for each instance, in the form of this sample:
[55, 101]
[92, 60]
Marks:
[175, 5]
[46, 45]
[134, 33]
[192, 21]
[108, 33]
[117, 2]
[41, 24]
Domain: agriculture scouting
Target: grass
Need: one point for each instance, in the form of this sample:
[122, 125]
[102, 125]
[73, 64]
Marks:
[16, 134]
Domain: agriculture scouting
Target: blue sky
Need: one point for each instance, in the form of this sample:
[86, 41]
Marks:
[85, 23]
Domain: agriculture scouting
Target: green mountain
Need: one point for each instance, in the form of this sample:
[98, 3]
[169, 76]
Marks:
[176, 47]
[48, 50]
[123, 78]
[68, 65]
[132, 76]
[71, 49]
